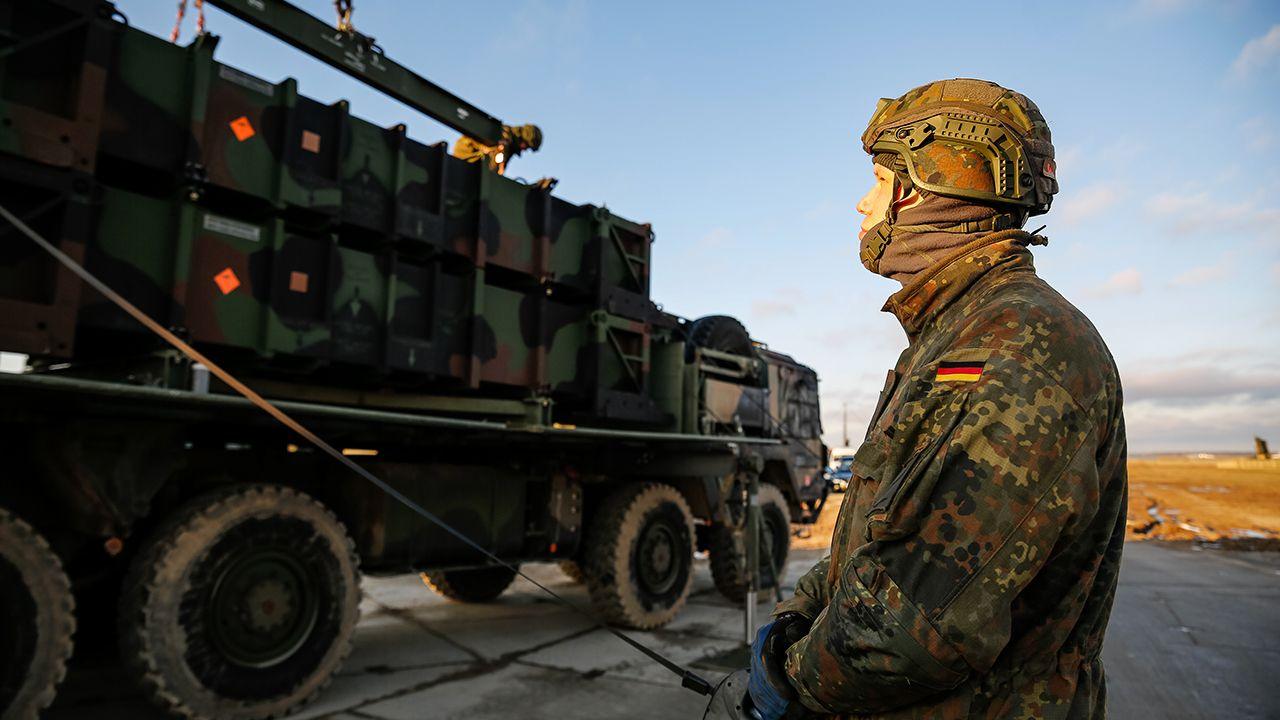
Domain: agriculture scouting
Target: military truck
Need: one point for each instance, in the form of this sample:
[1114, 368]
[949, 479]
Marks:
[488, 349]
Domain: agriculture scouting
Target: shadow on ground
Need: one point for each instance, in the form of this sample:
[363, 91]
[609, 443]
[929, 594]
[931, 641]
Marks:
[1192, 636]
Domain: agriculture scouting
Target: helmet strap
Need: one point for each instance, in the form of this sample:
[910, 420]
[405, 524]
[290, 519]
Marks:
[877, 239]
[994, 223]
[874, 243]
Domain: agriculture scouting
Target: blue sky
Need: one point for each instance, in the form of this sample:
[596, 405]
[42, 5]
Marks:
[733, 127]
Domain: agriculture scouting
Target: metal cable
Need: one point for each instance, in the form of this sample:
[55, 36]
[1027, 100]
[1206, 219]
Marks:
[688, 678]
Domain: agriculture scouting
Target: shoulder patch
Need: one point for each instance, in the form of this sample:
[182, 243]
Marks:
[959, 371]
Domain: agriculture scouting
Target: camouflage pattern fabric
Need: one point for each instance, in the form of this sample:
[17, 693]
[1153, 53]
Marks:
[971, 139]
[974, 146]
[975, 559]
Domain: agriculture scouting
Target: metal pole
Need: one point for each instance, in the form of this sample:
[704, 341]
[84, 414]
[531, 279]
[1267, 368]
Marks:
[844, 409]
[753, 552]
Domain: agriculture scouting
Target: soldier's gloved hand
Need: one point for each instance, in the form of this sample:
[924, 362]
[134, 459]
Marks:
[770, 690]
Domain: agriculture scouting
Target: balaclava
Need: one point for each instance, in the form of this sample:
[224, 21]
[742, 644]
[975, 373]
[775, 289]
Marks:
[914, 239]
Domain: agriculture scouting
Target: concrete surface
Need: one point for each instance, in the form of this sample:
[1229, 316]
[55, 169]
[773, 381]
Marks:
[1193, 636]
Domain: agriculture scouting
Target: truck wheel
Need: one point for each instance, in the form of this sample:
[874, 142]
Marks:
[573, 570]
[639, 558]
[242, 604]
[719, 332]
[729, 549]
[474, 586]
[39, 618]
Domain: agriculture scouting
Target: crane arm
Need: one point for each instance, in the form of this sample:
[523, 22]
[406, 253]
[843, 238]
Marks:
[360, 57]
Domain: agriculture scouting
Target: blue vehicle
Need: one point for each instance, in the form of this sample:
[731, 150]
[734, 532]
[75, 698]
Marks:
[841, 471]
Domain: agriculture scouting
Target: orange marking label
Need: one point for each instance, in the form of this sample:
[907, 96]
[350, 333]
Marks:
[310, 141]
[242, 128]
[226, 281]
[298, 281]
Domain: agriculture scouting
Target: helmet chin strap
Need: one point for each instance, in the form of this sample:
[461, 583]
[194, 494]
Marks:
[878, 237]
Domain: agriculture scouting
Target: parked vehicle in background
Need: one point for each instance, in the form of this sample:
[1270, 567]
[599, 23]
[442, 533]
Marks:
[841, 468]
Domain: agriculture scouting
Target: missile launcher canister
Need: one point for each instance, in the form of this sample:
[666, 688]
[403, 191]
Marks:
[487, 348]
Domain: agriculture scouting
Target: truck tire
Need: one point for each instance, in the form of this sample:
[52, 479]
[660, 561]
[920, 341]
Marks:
[573, 571]
[242, 604]
[639, 557]
[478, 585]
[719, 332]
[728, 547]
[38, 612]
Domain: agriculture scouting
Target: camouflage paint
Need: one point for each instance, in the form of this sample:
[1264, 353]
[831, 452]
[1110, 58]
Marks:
[51, 92]
[969, 139]
[39, 298]
[288, 236]
[172, 117]
[786, 407]
[277, 290]
[975, 559]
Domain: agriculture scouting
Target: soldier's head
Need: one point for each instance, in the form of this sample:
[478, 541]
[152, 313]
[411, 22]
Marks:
[886, 191]
[519, 138]
[966, 152]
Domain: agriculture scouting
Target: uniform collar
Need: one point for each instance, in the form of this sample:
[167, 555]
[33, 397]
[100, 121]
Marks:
[936, 288]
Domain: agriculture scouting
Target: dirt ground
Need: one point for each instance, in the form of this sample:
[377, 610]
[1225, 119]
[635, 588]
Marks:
[1169, 499]
[1181, 499]
[818, 535]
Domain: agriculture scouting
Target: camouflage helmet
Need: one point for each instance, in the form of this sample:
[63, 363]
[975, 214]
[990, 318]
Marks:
[521, 137]
[969, 139]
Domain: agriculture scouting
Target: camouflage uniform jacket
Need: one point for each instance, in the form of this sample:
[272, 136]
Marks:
[975, 558]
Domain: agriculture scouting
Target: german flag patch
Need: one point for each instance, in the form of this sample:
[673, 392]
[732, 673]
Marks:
[961, 371]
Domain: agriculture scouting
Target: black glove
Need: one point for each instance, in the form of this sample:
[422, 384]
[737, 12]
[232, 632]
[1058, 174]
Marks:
[769, 682]
[787, 630]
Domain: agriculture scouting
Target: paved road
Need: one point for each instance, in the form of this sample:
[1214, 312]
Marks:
[1193, 636]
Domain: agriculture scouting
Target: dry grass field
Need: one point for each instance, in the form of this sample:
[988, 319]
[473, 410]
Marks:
[1170, 498]
[1182, 499]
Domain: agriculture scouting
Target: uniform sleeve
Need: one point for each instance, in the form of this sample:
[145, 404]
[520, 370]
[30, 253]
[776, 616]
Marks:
[811, 592]
[983, 471]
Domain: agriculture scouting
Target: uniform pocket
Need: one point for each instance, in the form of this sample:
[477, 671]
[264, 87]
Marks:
[890, 384]
[895, 510]
[868, 469]
[870, 458]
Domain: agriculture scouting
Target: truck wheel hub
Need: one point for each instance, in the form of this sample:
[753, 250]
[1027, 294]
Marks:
[658, 569]
[260, 608]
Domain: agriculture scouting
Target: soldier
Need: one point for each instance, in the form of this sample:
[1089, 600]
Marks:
[974, 561]
[515, 140]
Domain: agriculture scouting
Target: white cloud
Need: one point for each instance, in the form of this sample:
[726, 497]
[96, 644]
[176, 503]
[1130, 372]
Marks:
[1189, 213]
[1087, 203]
[1162, 7]
[1125, 282]
[1207, 400]
[1066, 159]
[1258, 133]
[1258, 53]
[1200, 381]
[1227, 424]
[540, 30]
[1275, 273]
[718, 237]
[762, 309]
[1202, 274]
[828, 208]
